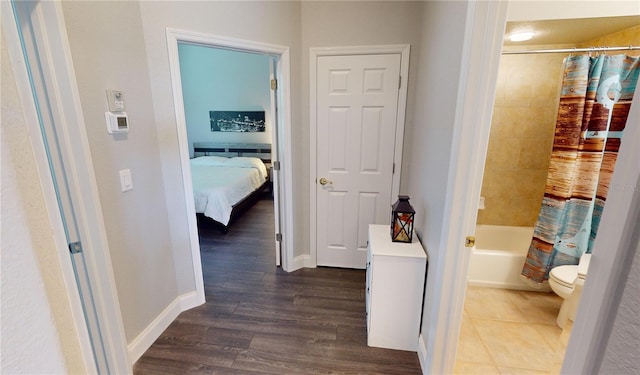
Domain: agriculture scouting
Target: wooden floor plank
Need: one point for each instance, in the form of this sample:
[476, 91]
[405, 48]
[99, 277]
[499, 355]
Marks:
[303, 313]
[312, 362]
[259, 319]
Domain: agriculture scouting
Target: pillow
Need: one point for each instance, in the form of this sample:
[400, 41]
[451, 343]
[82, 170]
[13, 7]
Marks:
[244, 162]
[247, 162]
[209, 161]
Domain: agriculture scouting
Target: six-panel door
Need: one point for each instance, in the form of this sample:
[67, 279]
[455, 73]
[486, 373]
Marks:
[357, 104]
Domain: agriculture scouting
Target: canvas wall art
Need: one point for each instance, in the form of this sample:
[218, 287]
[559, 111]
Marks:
[237, 121]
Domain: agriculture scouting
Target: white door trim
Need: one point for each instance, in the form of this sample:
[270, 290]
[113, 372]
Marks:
[483, 41]
[478, 75]
[315, 52]
[284, 130]
[64, 94]
[275, 182]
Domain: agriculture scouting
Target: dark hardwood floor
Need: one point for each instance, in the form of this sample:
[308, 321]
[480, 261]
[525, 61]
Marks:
[259, 319]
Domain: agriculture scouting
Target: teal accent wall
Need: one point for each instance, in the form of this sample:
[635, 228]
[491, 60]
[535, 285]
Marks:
[222, 80]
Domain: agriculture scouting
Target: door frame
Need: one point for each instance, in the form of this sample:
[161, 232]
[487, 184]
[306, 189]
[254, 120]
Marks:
[64, 94]
[404, 50]
[484, 31]
[284, 175]
[275, 182]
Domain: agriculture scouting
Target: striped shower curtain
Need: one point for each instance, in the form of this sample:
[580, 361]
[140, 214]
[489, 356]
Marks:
[594, 104]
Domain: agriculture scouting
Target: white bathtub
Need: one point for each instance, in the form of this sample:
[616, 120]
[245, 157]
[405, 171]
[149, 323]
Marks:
[497, 258]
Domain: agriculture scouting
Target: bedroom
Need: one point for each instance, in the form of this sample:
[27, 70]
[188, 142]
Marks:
[230, 168]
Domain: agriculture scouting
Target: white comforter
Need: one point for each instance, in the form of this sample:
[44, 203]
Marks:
[219, 183]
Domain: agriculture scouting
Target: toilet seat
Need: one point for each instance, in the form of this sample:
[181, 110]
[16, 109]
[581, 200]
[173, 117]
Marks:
[564, 275]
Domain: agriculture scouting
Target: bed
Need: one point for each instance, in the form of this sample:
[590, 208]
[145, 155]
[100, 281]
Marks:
[228, 178]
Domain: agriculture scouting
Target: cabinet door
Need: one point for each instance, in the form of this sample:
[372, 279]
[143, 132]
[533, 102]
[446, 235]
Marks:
[395, 301]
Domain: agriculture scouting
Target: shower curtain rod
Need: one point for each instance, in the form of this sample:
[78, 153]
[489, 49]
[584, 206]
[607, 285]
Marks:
[572, 50]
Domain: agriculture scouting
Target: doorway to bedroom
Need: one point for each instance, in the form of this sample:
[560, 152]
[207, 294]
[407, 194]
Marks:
[227, 96]
[230, 131]
[231, 117]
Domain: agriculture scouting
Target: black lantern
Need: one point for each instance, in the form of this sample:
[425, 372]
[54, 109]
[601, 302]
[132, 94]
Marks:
[402, 220]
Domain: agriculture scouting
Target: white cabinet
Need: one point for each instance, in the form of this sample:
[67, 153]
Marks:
[395, 284]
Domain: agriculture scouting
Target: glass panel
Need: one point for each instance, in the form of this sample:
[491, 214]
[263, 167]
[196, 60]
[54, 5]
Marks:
[23, 11]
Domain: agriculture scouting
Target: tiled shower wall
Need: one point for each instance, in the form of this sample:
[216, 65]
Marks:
[521, 138]
[522, 131]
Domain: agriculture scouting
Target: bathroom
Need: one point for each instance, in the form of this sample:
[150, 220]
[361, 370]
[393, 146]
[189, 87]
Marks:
[508, 325]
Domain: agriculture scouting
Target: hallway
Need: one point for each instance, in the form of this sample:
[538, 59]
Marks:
[259, 319]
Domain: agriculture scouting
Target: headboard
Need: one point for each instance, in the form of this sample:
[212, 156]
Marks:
[258, 150]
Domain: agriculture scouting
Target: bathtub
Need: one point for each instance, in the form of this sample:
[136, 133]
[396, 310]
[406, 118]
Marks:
[498, 256]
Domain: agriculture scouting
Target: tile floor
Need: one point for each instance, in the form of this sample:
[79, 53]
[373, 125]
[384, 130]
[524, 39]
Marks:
[510, 332]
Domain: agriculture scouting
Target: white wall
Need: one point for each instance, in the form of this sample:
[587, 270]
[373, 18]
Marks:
[311, 24]
[357, 23]
[275, 22]
[436, 94]
[361, 23]
[37, 331]
[223, 80]
[108, 52]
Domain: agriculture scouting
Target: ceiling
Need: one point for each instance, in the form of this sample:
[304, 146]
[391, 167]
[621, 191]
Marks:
[570, 31]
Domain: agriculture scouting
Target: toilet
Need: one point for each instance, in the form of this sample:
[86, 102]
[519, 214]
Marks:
[567, 282]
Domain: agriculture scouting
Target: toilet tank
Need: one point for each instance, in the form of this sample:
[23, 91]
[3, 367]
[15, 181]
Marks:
[583, 265]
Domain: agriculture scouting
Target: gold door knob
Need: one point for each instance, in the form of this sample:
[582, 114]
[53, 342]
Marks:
[324, 181]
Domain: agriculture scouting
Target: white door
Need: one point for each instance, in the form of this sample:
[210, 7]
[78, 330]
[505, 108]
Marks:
[357, 105]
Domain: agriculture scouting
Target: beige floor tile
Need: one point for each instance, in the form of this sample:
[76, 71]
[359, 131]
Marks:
[467, 368]
[489, 303]
[515, 330]
[470, 347]
[537, 307]
[566, 333]
[557, 368]
[552, 335]
[517, 345]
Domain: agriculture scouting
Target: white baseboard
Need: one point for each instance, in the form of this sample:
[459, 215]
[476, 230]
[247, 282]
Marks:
[303, 261]
[191, 300]
[422, 353]
[146, 338]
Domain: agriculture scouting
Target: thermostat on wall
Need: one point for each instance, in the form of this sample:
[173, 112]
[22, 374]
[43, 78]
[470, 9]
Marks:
[117, 122]
[115, 99]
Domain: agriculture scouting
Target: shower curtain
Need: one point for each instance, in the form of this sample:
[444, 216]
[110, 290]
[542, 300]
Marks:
[594, 104]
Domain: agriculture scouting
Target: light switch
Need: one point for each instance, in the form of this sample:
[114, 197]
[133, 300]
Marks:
[125, 180]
